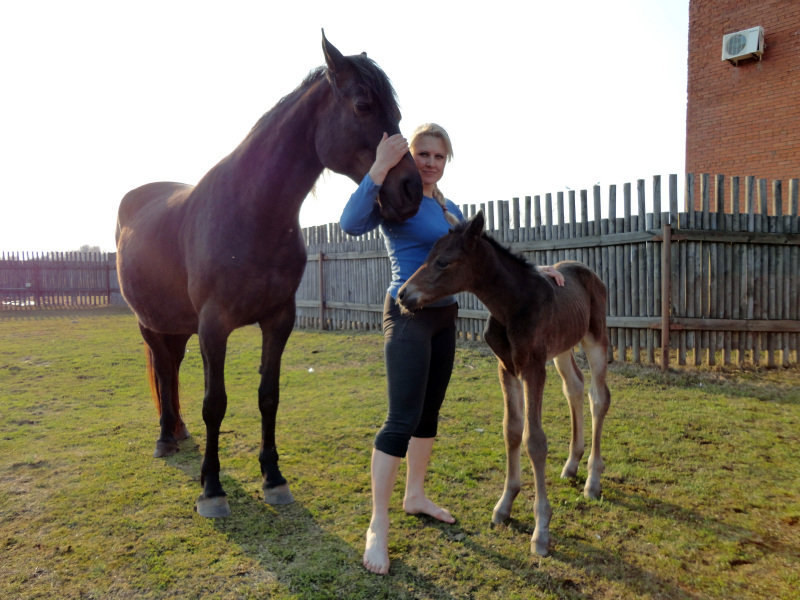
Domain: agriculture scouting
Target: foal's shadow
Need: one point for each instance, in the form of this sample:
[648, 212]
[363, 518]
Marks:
[594, 558]
[269, 535]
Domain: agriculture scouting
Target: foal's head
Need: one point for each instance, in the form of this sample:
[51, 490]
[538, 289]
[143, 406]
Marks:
[452, 266]
[351, 123]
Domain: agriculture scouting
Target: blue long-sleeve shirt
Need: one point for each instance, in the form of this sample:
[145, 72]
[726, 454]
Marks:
[407, 243]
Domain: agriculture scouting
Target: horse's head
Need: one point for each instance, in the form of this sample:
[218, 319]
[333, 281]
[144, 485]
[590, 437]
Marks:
[450, 267]
[361, 108]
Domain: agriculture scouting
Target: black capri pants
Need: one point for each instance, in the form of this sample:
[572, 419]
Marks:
[419, 350]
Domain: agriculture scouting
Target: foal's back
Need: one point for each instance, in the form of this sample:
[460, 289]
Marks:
[577, 309]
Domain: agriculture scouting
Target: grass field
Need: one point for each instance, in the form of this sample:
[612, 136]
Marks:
[701, 495]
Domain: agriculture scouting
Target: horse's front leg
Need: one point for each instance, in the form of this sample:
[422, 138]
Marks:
[213, 344]
[275, 332]
[536, 444]
[572, 387]
[512, 433]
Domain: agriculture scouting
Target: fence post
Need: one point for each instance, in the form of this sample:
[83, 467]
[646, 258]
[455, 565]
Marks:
[666, 292]
[321, 292]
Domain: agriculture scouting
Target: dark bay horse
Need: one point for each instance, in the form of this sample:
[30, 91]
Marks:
[531, 321]
[228, 251]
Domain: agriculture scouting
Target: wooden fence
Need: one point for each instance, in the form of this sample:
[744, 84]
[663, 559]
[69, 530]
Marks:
[56, 280]
[714, 284]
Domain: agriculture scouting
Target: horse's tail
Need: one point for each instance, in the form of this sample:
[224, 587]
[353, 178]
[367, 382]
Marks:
[155, 390]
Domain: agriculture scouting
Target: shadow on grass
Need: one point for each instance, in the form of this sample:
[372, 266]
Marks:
[288, 542]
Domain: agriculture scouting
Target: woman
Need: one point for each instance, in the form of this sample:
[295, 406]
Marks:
[419, 349]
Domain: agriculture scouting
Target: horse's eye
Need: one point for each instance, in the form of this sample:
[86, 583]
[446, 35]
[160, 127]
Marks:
[441, 263]
[362, 107]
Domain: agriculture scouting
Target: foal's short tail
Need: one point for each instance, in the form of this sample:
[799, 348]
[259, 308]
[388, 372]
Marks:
[155, 392]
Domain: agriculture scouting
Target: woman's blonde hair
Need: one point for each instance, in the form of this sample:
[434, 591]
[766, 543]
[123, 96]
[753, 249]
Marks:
[437, 131]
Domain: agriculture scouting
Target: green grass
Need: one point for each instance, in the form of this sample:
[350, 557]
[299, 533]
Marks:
[701, 494]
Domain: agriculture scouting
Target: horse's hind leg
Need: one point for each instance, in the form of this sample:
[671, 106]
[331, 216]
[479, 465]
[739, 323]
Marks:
[166, 354]
[600, 397]
[572, 387]
[275, 332]
[513, 424]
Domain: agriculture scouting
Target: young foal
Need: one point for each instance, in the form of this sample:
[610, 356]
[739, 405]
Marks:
[531, 321]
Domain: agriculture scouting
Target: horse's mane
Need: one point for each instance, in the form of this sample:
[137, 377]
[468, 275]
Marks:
[371, 74]
[498, 247]
[378, 82]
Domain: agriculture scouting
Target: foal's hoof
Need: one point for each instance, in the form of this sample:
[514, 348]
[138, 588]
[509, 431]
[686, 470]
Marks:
[164, 449]
[592, 490]
[213, 508]
[541, 547]
[279, 494]
[500, 518]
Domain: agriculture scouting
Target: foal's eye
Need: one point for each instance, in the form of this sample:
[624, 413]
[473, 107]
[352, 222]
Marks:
[441, 263]
[362, 107]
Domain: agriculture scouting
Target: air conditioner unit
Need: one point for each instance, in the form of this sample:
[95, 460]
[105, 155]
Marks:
[740, 45]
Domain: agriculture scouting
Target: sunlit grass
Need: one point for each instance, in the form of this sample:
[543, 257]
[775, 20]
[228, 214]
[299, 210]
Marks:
[701, 494]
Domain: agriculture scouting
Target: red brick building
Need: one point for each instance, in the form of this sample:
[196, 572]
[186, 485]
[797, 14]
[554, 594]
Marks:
[744, 119]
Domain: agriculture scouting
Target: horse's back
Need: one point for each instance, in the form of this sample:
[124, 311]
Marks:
[149, 198]
[591, 298]
[150, 267]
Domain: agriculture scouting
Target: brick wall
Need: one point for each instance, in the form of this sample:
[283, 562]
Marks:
[745, 119]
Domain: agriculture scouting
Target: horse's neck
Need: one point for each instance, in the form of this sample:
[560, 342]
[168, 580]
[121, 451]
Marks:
[276, 165]
[505, 284]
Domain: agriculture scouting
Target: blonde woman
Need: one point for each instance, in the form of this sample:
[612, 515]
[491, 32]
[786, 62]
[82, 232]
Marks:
[418, 349]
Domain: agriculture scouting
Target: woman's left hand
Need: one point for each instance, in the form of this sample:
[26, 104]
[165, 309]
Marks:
[551, 272]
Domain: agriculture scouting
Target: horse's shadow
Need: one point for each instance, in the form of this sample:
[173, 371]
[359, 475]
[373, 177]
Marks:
[267, 534]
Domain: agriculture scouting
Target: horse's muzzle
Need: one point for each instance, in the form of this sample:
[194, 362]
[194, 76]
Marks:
[408, 299]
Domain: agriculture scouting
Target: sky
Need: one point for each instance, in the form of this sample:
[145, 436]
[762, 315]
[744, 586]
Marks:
[99, 97]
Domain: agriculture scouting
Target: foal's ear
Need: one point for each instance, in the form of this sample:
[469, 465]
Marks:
[475, 225]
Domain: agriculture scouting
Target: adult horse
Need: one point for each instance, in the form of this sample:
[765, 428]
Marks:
[228, 251]
[531, 321]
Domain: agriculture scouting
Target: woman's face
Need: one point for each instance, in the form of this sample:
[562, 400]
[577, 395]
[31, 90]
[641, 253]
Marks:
[430, 154]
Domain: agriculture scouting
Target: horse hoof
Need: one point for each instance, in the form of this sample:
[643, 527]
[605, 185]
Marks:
[279, 494]
[164, 449]
[500, 518]
[592, 492]
[569, 472]
[540, 548]
[540, 543]
[213, 508]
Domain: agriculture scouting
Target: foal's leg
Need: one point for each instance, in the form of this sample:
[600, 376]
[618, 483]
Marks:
[512, 432]
[275, 331]
[166, 355]
[573, 391]
[213, 345]
[536, 443]
[600, 397]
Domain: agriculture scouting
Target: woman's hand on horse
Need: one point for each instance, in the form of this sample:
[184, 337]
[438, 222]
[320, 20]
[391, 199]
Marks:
[551, 272]
[391, 149]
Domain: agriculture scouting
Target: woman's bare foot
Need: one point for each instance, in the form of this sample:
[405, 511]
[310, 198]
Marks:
[423, 506]
[376, 550]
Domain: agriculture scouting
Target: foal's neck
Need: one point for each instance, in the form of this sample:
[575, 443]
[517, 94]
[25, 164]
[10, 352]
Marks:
[505, 282]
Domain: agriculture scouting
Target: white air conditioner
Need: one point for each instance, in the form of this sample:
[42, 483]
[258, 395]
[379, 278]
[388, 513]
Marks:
[740, 45]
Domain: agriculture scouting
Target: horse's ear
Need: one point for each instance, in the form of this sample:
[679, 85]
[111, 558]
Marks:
[475, 225]
[333, 58]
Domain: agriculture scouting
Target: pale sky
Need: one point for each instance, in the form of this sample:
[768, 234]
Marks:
[99, 97]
